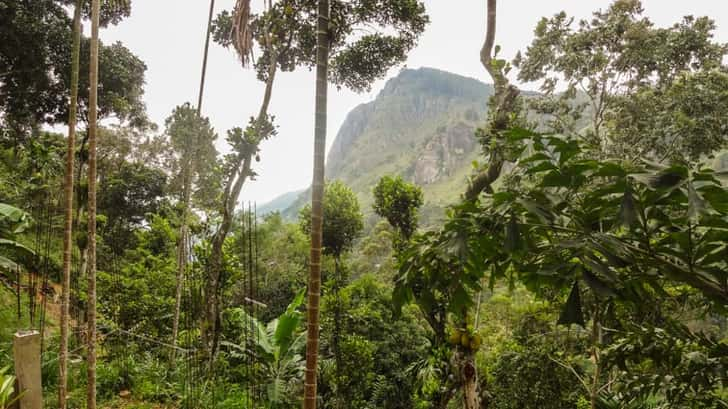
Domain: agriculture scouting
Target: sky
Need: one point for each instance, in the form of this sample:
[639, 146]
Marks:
[168, 35]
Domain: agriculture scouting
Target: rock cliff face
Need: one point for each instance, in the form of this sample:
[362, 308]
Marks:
[421, 126]
[414, 113]
[444, 153]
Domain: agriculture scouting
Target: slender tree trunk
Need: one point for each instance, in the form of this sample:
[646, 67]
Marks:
[596, 345]
[182, 255]
[204, 58]
[471, 399]
[317, 197]
[68, 210]
[92, 132]
[336, 338]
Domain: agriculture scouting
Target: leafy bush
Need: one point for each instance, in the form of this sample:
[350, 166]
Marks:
[532, 380]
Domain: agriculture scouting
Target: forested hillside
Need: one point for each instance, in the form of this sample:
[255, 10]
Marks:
[464, 244]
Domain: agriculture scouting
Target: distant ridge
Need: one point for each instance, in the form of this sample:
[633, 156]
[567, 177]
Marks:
[279, 203]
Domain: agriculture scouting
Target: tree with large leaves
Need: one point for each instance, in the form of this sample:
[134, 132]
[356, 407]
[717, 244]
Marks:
[632, 89]
[13, 222]
[626, 233]
[276, 347]
[237, 166]
[434, 270]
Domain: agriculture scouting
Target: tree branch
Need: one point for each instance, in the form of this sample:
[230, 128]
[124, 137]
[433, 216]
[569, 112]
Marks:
[503, 105]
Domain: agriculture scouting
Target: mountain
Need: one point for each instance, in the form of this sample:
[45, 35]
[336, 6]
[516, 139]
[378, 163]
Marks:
[421, 126]
[280, 203]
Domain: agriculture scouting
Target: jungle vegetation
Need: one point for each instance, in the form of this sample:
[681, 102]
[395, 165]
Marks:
[583, 265]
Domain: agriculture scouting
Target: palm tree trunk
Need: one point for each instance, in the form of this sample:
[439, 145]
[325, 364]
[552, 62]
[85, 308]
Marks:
[317, 197]
[92, 132]
[68, 211]
[204, 58]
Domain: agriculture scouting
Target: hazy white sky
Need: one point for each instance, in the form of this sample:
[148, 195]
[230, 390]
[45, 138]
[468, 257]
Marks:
[169, 35]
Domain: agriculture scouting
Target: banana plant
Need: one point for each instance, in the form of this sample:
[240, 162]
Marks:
[7, 389]
[276, 349]
[13, 222]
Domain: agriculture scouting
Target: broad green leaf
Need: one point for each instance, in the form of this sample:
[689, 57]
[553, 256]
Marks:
[597, 285]
[15, 246]
[717, 196]
[534, 208]
[597, 265]
[517, 134]
[556, 179]
[7, 264]
[669, 178]
[572, 312]
[610, 169]
[513, 235]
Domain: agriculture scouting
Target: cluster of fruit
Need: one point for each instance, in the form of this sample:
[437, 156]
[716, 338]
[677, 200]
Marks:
[465, 338]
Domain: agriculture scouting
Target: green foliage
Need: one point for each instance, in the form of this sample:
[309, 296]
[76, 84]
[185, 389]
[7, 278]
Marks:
[342, 219]
[376, 348]
[129, 195]
[192, 139]
[35, 59]
[374, 253]
[7, 389]
[276, 348]
[636, 82]
[367, 37]
[283, 251]
[531, 379]
[684, 121]
[13, 222]
[685, 367]
[139, 294]
[570, 220]
[398, 202]
[33, 35]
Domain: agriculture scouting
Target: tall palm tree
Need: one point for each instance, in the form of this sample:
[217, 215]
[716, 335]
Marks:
[317, 197]
[68, 208]
[92, 133]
